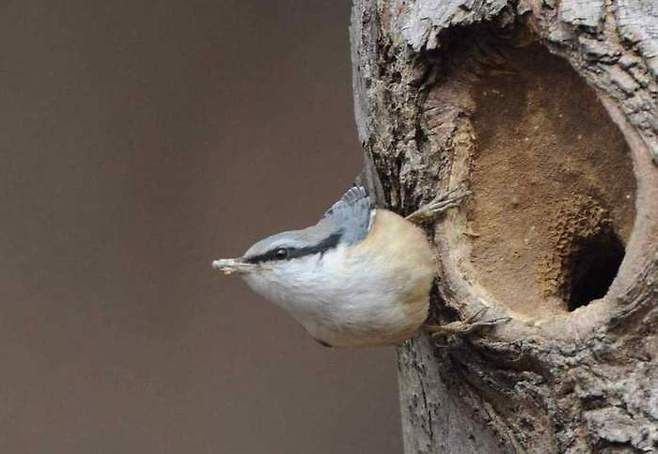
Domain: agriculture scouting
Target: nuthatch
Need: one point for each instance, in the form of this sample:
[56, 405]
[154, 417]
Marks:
[361, 276]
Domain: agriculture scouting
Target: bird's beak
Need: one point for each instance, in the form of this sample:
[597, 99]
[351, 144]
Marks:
[236, 265]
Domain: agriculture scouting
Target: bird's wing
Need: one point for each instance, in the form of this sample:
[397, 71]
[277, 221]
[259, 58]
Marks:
[351, 214]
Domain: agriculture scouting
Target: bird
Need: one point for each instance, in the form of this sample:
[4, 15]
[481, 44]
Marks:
[360, 277]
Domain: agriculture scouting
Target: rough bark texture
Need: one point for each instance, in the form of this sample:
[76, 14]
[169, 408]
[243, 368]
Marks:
[547, 111]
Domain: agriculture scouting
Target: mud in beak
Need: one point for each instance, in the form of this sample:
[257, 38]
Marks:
[230, 266]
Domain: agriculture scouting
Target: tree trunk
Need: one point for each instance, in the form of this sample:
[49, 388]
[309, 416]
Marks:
[546, 111]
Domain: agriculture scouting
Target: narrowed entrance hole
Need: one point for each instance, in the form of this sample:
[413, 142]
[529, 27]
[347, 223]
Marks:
[594, 265]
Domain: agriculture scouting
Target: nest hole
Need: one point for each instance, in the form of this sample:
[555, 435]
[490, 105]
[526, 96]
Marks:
[552, 182]
[593, 266]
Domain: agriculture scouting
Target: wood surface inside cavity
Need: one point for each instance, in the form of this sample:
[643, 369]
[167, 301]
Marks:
[550, 174]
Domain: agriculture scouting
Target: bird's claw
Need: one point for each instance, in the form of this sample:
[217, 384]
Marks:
[466, 326]
[441, 203]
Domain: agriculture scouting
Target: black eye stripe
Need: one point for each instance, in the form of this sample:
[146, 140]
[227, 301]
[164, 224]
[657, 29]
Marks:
[274, 255]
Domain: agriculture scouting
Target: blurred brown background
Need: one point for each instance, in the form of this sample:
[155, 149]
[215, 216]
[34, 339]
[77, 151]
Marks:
[139, 141]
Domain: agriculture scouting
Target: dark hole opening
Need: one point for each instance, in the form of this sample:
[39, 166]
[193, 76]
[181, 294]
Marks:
[594, 266]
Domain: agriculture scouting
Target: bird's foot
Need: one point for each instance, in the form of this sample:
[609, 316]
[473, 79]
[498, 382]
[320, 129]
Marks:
[441, 203]
[466, 326]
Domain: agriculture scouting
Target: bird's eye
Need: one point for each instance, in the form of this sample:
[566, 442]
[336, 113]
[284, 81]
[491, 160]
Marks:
[281, 253]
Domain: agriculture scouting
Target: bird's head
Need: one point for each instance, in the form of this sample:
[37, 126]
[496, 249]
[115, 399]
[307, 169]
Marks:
[298, 266]
[284, 264]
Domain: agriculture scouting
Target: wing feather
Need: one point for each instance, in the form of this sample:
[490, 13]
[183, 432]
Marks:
[351, 214]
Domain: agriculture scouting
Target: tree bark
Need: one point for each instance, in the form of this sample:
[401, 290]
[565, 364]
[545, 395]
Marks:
[547, 111]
